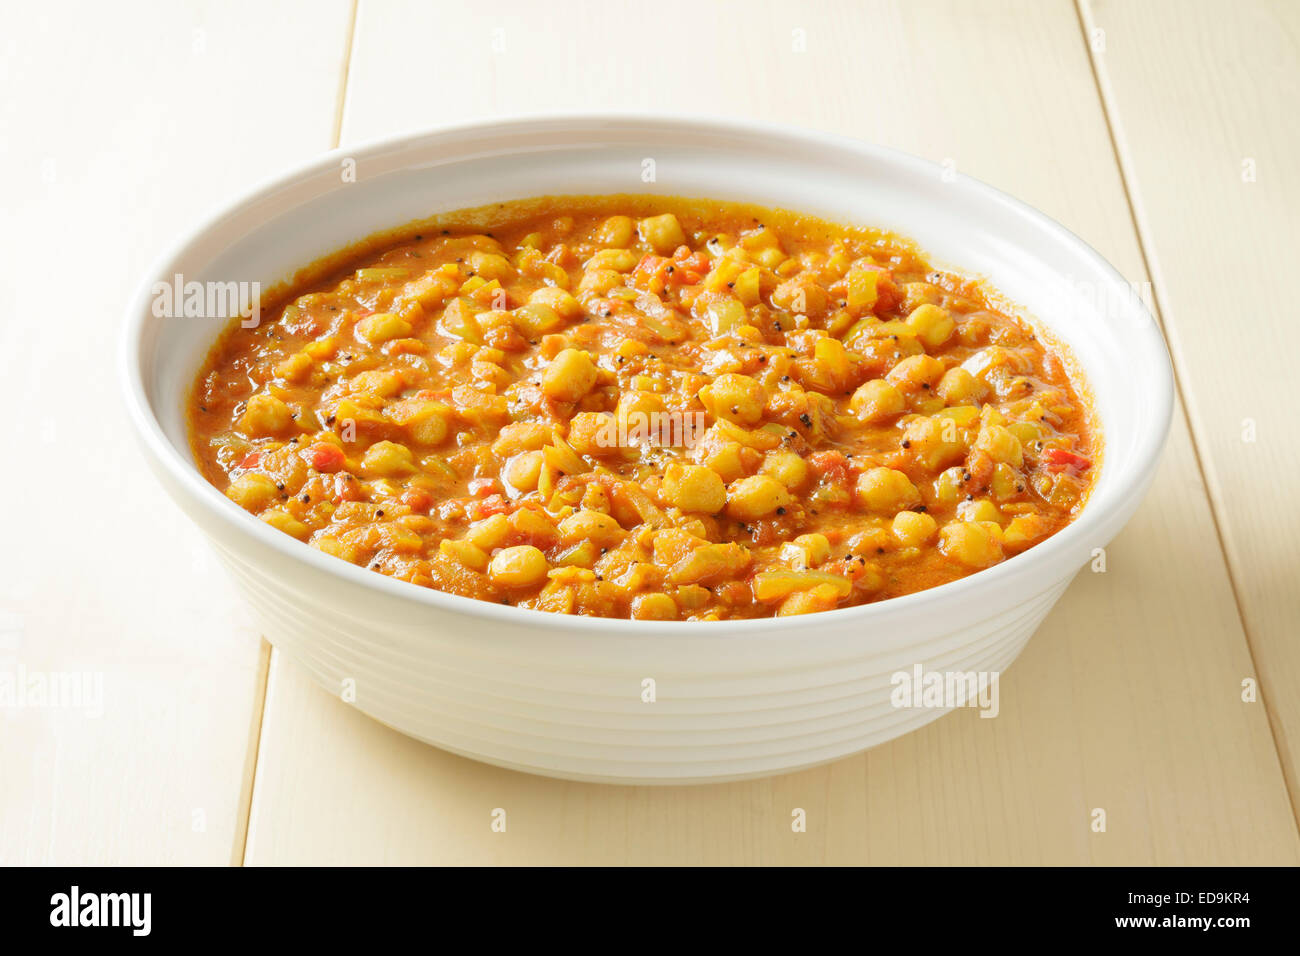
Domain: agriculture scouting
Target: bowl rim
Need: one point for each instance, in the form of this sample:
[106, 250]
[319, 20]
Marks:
[1095, 524]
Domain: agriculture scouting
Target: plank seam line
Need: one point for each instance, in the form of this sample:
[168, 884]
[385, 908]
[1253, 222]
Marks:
[1128, 181]
[340, 103]
[255, 754]
[345, 76]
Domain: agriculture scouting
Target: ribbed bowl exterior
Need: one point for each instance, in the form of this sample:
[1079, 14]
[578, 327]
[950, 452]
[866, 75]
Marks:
[424, 679]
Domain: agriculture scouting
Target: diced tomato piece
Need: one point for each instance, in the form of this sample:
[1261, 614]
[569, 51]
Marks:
[651, 272]
[347, 488]
[1058, 459]
[483, 487]
[850, 567]
[687, 268]
[562, 255]
[831, 465]
[417, 500]
[487, 507]
[250, 460]
[325, 457]
[606, 307]
[980, 466]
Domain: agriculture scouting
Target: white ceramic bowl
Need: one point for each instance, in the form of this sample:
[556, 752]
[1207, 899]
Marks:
[563, 696]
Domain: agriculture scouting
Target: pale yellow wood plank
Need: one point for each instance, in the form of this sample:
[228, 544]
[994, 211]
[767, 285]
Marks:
[1128, 699]
[120, 128]
[1204, 98]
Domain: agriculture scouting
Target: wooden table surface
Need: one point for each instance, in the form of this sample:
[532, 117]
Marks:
[1164, 691]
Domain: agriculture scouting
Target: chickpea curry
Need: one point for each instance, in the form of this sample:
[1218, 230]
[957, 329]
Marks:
[645, 407]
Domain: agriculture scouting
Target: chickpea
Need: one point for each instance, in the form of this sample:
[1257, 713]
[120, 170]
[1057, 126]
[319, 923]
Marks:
[1000, 445]
[570, 376]
[824, 597]
[491, 266]
[620, 260]
[934, 442]
[1006, 482]
[981, 510]
[524, 470]
[488, 533]
[519, 567]
[600, 529]
[466, 553]
[693, 488]
[802, 296]
[726, 459]
[913, 528]
[887, 491]
[931, 324]
[265, 415]
[757, 497]
[664, 233]
[958, 387]
[1022, 530]
[737, 398]
[558, 299]
[915, 371]
[599, 281]
[252, 492]
[817, 546]
[786, 467]
[281, 520]
[382, 384]
[295, 367]
[616, 231]
[654, 607]
[381, 327]
[876, 401]
[387, 459]
[521, 436]
[976, 544]
[593, 433]
[425, 423]
[635, 410]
